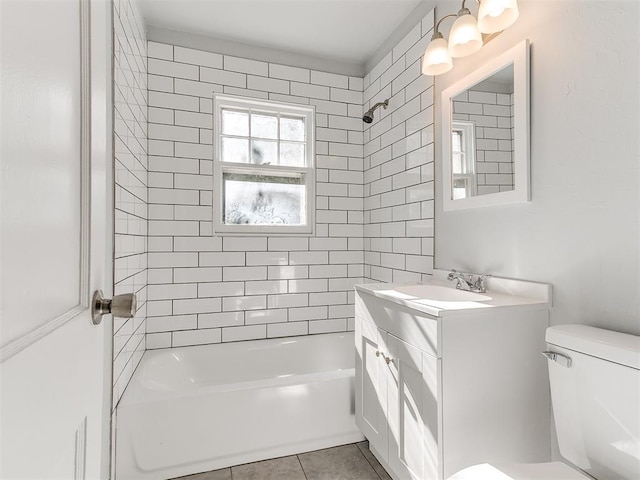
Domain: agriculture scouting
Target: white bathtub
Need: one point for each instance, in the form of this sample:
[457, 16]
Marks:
[194, 409]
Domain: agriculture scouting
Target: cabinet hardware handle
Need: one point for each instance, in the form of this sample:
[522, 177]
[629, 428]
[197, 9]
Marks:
[386, 359]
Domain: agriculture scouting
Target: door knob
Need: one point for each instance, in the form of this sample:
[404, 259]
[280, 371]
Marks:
[122, 306]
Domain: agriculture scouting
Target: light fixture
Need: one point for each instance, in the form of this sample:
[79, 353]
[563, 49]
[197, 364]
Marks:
[437, 59]
[465, 37]
[497, 15]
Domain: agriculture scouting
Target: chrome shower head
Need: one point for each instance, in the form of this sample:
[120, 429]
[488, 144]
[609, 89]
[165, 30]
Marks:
[368, 116]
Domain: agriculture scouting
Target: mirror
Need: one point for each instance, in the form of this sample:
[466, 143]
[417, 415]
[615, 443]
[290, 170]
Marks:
[485, 134]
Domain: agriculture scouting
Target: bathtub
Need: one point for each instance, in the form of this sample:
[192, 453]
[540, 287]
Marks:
[194, 409]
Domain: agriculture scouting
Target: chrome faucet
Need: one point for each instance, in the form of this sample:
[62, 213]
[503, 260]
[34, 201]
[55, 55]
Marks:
[466, 281]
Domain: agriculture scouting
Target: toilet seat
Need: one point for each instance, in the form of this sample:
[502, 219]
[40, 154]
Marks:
[520, 471]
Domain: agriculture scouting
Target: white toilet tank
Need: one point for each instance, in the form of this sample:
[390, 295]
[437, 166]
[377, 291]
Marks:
[596, 400]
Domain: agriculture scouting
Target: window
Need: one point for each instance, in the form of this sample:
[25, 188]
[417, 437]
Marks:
[263, 166]
[463, 161]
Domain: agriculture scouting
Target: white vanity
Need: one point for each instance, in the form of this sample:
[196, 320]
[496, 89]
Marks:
[447, 378]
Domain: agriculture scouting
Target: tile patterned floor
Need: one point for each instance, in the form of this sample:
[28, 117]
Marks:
[347, 462]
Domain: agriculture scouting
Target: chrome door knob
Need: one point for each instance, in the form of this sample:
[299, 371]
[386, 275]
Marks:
[122, 306]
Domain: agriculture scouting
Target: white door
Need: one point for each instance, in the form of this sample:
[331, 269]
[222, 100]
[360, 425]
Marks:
[56, 238]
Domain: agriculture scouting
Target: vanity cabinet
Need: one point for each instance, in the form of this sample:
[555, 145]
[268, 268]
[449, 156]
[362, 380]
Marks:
[398, 402]
[437, 393]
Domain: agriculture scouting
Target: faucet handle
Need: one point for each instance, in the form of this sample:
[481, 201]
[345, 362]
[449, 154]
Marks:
[455, 275]
[479, 283]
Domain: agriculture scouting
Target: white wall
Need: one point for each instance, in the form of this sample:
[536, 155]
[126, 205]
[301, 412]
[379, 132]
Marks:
[580, 232]
[130, 165]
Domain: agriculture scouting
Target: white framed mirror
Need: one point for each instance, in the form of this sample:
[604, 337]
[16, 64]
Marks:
[485, 134]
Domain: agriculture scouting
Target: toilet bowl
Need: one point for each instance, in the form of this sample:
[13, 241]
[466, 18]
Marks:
[594, 375]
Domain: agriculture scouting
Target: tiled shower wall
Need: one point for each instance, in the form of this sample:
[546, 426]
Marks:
[399, 164]
[207, 289]
[130, 152]
[492, 116]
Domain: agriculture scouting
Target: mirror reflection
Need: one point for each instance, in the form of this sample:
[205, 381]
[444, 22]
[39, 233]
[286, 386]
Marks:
[482, 133]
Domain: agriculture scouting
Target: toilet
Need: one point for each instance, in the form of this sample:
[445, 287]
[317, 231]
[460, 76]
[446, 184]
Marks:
[594, 376]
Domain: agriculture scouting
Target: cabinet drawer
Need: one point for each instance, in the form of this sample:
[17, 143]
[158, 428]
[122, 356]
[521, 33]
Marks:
[411, 326]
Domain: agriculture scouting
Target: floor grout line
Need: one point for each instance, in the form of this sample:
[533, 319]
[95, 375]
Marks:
[303, 472]
[372, 465]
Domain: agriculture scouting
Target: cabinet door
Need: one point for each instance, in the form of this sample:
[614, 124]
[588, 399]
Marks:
[412, 411]
[371, 388]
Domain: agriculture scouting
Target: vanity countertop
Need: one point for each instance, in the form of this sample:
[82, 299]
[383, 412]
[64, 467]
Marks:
[440, 298]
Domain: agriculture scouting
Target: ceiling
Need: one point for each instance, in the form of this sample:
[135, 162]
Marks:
[348, 31]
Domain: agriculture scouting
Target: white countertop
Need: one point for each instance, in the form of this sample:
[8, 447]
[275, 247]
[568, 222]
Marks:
[501, 293]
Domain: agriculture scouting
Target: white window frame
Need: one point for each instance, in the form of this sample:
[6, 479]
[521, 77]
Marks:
[469, 156]
[221, 102]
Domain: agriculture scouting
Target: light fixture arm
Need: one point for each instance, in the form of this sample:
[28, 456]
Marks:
[462, 8]
[436, 33]
[465, 1]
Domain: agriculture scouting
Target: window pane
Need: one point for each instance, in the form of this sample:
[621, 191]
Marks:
[235, 150]
[292, 154]
[264, 126]
[263, 200]
[456, 163]
[264, 152]
[292, 129]
[456, 138]
[460, 188]
[235, 123]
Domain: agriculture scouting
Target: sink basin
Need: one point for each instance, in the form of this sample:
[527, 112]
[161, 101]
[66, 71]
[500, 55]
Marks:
[439, 293]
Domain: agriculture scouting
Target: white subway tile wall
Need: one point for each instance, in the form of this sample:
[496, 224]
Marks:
[131, 182]
[210, 289]
[399, 164]
[492, 116]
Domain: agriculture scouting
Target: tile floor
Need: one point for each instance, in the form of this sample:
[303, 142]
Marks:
[347, 462]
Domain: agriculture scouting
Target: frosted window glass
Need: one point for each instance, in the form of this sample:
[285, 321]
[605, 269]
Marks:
[263, 200]
[264, 152]
[235, 150]
[460, 188]
[292, 129]
[235, 123]
[292, 154]
[264, 126]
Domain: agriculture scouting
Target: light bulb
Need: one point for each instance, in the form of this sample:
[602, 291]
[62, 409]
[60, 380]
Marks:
[464, 38]
[497, 15]
[436, 60]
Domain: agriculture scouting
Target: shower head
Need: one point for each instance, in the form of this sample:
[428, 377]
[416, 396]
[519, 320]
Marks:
[368, 116]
